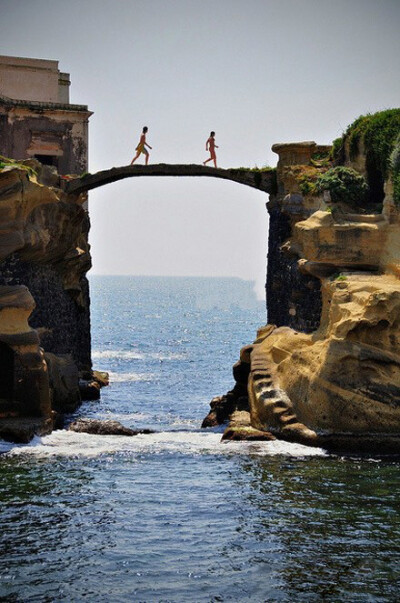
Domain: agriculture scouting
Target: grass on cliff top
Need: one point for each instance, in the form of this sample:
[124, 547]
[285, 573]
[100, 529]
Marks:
[307, 176]
[379, 131]
[5, 162]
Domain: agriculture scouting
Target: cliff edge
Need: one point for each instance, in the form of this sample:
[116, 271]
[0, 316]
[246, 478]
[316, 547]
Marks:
[326, 371]
[44, 299]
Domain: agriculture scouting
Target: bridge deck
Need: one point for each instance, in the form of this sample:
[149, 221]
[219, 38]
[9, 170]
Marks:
[263, 180]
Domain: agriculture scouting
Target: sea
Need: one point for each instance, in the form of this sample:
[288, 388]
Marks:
[178, 515]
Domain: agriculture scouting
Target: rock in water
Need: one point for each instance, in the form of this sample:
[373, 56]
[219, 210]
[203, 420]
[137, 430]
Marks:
[97, 427]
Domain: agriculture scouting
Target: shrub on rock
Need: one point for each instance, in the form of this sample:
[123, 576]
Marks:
[345, 185]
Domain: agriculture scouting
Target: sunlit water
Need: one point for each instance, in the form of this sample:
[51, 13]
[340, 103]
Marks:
[177, 515]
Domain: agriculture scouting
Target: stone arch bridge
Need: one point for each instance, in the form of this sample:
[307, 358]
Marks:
[263, 180]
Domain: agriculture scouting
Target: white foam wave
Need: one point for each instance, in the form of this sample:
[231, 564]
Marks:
[118, 354]
[127, 377]
[70, 444]
[124, 418]
[135, 355]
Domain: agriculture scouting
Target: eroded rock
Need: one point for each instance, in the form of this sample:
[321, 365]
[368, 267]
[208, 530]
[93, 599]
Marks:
[240, 429]
[64, 382]
[328, 372]
[44, 300]
[21, 430]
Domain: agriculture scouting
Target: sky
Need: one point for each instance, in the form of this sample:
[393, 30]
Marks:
[256, 72]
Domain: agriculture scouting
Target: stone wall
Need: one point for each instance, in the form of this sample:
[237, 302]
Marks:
[36, 117]
[44, 299]
[58, 133]
[29, 79]
[63, 324]
[293, 299]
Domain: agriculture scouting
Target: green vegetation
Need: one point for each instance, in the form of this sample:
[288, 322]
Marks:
[380, 134]
[258, 172]
[265, 168]
[337, 153]
[5, 162]
[307, 177]
[380, 131]
[321, 159]
[307, 185]
[345, 185]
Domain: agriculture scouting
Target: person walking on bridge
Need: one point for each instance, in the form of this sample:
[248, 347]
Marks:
[141, 148]
[211, 146]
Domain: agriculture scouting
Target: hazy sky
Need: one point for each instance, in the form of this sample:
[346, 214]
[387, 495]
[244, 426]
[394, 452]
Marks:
[256, 72]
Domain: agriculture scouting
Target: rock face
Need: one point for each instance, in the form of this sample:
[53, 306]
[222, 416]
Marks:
[293, 297]
[43, 245]
[44, 256]
[326, 372]
[23, 367]
[344, 378]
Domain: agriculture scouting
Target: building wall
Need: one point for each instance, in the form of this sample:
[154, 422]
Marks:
[36, 119]
[58, 134]
[31, 79]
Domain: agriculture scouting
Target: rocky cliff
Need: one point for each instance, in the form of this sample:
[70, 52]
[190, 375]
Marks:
[326, 370]
[44, 298]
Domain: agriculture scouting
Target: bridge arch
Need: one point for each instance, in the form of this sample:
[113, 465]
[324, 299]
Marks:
[180, 227]
[264, 179]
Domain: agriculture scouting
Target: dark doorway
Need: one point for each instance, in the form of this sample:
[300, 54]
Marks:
[376, 183]
[6, 372]
[47, 159]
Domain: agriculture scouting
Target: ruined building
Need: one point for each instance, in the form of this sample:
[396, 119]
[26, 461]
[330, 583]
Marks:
[36, 117]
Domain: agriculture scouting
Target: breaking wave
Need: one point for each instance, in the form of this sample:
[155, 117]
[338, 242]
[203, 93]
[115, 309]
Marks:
[135, 355]
[70, 444]
[129, 377]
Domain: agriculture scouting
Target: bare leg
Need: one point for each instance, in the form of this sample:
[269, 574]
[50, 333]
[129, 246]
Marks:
[147, 158]
[134, 159]
[207, 160]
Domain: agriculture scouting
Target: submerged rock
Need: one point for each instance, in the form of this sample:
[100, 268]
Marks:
[97, 427]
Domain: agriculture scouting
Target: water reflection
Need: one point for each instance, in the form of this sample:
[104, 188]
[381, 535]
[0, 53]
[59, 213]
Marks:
[175, 526]
[50, 511]
[331, 525]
